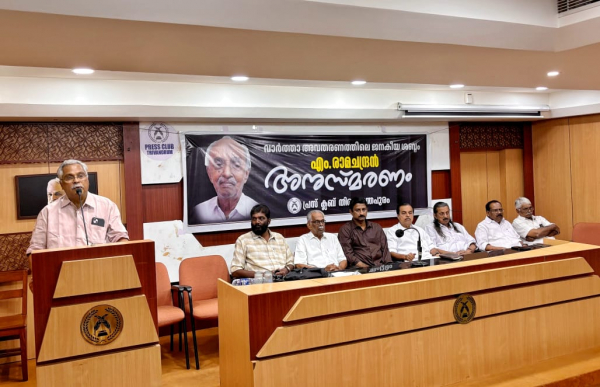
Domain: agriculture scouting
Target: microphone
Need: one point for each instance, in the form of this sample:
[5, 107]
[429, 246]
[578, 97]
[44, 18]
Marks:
[79, 191]
[400, 234]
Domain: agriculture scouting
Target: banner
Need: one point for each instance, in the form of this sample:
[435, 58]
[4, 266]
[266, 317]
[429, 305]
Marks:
[226, 175]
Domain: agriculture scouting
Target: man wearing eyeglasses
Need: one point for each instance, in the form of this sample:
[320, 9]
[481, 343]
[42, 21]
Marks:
[495, 232]
[319, 248]
[79, 218]
[532, 228]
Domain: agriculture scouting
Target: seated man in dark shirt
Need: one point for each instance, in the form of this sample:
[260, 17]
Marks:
[363, 242]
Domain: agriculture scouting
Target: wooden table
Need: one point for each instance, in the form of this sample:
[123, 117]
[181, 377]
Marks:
[398, 328]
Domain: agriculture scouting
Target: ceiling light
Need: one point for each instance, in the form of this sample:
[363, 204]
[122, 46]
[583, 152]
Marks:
[239, 78]
[83, 71]
[553, 73]
[457, 86]
[358, 82]
[541, 88]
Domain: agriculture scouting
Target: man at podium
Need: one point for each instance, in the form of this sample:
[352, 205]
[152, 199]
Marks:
[79, 218]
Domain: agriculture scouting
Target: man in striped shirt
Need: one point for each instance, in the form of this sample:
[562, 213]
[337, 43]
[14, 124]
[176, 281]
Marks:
[261, 249]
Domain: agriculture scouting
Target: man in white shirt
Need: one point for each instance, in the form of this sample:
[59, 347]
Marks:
[228, 167]
[532, 229]
[405, 248]
[495, 232]
[449, 236]
[319, 248]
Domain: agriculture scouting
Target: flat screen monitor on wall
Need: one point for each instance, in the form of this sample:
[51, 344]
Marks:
[31, 193]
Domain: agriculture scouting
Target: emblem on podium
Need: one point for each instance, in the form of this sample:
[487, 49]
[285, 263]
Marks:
[464, 309]
[101, 325]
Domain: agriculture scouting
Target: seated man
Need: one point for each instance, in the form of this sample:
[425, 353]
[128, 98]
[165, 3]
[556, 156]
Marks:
[319, 248]
[363, 242]
[405, 248]
[495, 232]
[449, 236]
[532, 229]
[261, 249]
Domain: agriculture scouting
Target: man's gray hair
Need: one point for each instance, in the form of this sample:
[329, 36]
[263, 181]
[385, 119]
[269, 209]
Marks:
[520, 201]
[309, 215]
[70, 162]
[50, 186]
[244, 148]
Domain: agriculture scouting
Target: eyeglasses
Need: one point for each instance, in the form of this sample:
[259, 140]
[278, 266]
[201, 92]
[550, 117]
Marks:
[526, 210]
[317, 222]
[71, 178]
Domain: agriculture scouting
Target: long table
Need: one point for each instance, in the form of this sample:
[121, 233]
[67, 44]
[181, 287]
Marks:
[398, 328]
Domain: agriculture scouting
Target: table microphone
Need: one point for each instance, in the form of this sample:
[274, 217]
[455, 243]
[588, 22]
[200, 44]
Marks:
[79, 191]
[400, 234]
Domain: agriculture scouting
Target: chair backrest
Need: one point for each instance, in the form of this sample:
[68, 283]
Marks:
[587, 233]
[163, 286]
[21, 292]
[202, 274]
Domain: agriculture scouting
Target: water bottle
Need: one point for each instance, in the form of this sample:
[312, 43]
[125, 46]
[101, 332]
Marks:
[258, 277]
[267, 277]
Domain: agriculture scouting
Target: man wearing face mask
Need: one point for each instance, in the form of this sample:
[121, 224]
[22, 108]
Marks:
[449, 236]
[405, 247]
[261, 249]
[495, 232]
[319, 248]
[60, 223]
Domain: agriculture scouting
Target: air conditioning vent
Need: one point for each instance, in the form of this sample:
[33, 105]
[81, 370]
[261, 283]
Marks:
[469, 111]
[570, 5]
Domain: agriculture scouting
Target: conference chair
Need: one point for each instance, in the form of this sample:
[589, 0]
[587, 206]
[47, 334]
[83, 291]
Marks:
[15, 326]
[199, 277]
[587, 233]
[167, 313]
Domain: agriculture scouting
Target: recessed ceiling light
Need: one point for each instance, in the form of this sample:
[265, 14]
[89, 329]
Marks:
[83, 71]
[541, 88]
[553, 73]
[358, 82]
[457, 86]
[239, 78]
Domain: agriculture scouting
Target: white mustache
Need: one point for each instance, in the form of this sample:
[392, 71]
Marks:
[229, 180]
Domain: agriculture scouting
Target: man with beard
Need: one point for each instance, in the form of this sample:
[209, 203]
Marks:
[449, 236]
[228, 167]
[405, 247]
[532, 228]
[495, 232]
[319, 248]
[363, 242]
[60, 223]
[261, 249]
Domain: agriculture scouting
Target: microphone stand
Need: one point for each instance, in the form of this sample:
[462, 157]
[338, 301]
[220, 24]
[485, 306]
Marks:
[79, 191]
[418, 262]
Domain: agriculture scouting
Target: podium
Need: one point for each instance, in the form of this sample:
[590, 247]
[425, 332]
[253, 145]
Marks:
[95, 315]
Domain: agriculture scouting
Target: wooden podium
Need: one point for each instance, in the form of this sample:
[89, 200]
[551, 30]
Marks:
[535, 322]
[95, 316]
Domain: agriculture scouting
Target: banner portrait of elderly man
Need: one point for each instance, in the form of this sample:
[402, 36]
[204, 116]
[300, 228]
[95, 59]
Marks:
[228, 166]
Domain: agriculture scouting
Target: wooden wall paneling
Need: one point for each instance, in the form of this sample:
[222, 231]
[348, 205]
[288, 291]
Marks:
[440, 184]
[511, 178]
[494, 185]
[552, 177]
[473, 170]
[163, 202]
[528, 186]
[456, 352]
[123, 196]
[455, 173]
[109, 179]
[585, 168]
[133, 181]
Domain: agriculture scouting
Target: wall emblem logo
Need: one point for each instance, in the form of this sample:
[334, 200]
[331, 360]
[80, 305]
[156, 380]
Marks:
[464, 309]
[101, 325]
[294, 205]
[158, 132]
